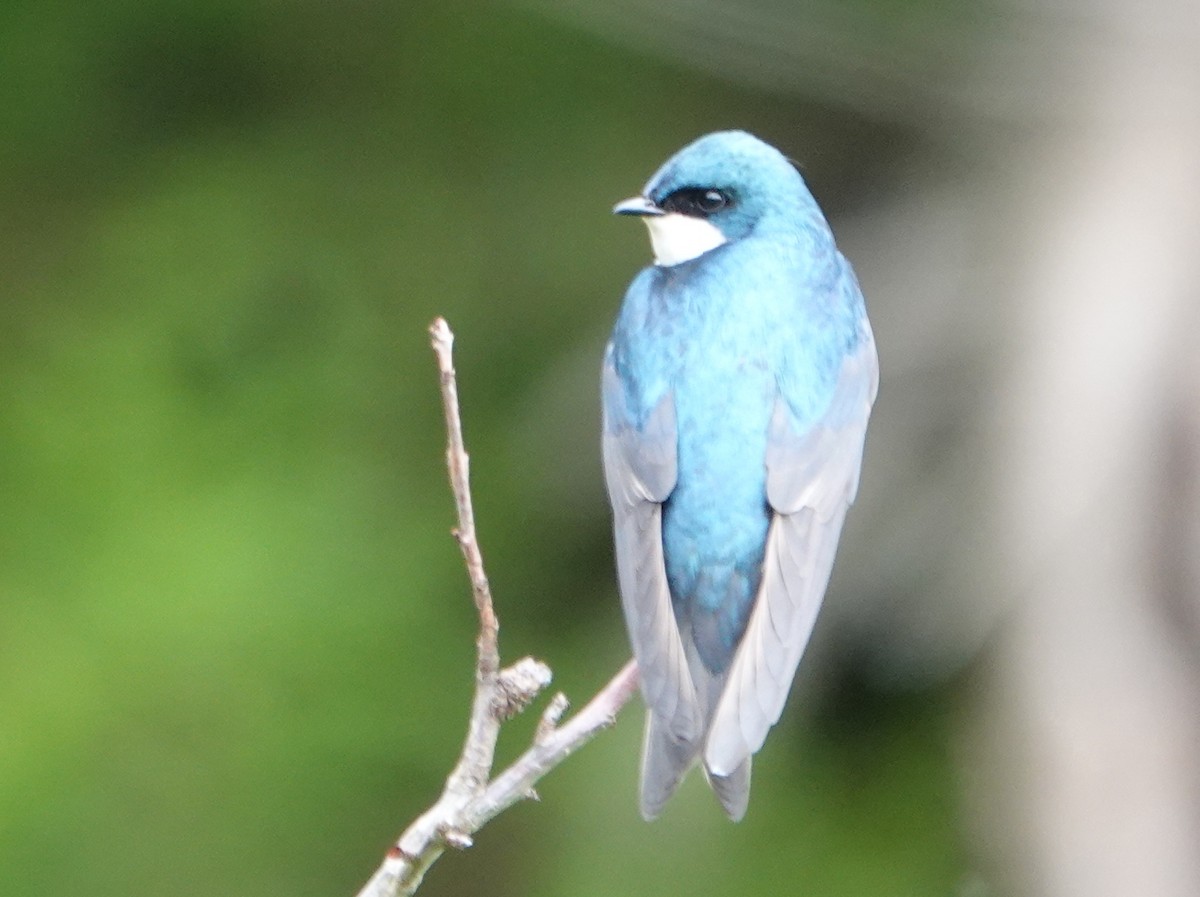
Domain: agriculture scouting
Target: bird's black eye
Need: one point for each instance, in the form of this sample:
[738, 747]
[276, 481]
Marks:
[696, 202]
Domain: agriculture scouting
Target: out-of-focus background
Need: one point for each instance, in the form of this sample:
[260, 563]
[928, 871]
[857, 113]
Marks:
[235, 636]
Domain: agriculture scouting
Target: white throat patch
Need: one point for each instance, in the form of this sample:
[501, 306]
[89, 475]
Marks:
[680, 238]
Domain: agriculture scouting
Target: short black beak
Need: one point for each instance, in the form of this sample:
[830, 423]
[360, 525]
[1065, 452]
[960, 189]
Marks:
[637, 205]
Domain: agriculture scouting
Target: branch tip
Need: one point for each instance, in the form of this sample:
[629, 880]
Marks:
[441, 334]
[550, 717]
[457, 839]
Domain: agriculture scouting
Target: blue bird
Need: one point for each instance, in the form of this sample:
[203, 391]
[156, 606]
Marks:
[736, 391]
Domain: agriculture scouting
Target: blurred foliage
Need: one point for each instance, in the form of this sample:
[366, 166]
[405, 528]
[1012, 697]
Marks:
[235, 639]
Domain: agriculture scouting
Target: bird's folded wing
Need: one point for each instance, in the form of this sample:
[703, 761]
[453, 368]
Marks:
[812, 477]
[640, 469]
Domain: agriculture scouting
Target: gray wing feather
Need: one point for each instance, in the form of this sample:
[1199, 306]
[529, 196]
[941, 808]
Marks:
[639, 467]
[733, 791]
[812, 477]
[665, 760]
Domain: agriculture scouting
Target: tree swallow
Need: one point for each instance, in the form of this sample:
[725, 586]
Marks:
[736, 391]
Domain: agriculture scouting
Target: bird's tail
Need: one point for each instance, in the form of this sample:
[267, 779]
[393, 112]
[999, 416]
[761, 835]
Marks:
[733, 790]
[665, 761]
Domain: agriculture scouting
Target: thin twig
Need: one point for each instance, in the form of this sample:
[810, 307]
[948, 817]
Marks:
[458, 462]
[474, 767]
[472, 797]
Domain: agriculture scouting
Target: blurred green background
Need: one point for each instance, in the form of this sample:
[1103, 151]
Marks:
[235, 635]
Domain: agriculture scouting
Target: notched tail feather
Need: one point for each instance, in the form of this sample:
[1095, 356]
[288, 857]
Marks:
[733, 790]
[665, 761]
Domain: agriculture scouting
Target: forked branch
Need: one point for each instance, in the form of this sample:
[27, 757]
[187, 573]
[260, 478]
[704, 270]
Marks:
[472, 796]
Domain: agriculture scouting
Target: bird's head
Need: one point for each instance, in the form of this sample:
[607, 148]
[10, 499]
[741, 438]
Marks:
[717, 190]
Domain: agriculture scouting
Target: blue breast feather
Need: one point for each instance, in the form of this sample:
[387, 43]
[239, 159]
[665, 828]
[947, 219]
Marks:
[759, 319]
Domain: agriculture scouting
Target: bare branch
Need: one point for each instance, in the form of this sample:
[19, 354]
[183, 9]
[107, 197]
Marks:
[459, 464]
[553, 747]
[472, 797]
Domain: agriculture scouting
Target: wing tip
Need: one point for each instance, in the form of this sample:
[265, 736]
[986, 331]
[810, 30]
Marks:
[665, 761]
[732, 790]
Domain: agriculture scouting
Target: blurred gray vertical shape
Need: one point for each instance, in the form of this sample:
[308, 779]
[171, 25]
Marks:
[1089, 731]
[1033, 470]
